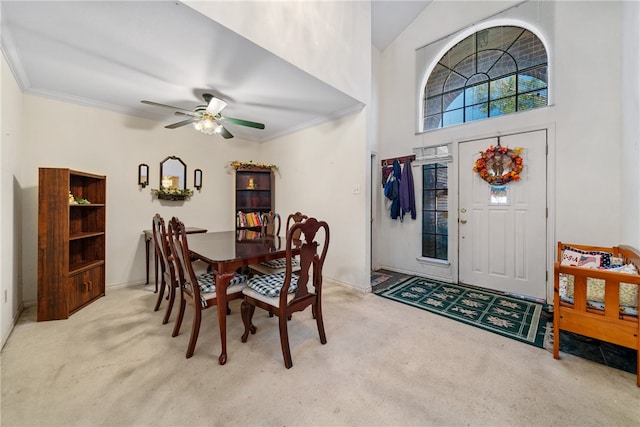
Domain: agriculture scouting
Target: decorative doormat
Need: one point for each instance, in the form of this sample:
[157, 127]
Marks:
[503, 315]
[612, 355]
[383, 279]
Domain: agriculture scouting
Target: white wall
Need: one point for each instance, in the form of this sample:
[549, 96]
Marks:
[630, 155]
[585, 45]
[317, 169]
[10, 196]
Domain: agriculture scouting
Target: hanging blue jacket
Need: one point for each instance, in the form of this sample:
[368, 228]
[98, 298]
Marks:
[395, 202]
[407, 196]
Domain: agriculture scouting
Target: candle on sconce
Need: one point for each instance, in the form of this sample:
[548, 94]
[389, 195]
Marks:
[166, 182]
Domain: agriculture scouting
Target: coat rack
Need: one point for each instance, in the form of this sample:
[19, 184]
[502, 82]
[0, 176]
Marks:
[387, 165]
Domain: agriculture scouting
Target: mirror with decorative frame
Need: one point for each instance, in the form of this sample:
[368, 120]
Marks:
[173, 173]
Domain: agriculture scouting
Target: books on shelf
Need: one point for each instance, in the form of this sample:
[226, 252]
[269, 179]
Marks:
[248, 219]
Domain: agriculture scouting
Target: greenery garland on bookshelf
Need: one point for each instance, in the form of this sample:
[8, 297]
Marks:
[251, 165]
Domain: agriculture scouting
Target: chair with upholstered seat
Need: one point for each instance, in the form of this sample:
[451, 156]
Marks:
[285, 293]
[197, 291]
[278, 265]
[168, 273]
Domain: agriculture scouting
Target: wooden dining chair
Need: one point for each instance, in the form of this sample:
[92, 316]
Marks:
[278, 265]
[270, 225]
[285, 293]
[197, 291]
[168, 272]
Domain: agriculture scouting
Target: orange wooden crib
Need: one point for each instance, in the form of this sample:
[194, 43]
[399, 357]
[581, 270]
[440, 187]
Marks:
[596, 308]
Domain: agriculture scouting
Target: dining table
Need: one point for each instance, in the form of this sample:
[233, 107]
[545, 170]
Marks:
[227, 252]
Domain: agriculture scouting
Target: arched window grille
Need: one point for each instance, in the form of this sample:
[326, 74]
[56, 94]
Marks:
[495, 71]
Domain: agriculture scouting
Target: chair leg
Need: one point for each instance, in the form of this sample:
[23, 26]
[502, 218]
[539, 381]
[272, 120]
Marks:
[172, 298]
[160, 295]
[284, 341]
[247, 310]
[317, 309]
[195, 330]
[176, 327]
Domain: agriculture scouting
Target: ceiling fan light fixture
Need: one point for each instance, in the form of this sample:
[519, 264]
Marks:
[206, 124]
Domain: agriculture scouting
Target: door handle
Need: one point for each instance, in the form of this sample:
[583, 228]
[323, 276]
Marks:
[463, 221]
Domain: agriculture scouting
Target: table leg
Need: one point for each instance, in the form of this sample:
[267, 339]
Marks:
[222, 282]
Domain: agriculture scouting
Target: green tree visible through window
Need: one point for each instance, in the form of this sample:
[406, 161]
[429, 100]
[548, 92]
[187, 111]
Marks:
[493, 72]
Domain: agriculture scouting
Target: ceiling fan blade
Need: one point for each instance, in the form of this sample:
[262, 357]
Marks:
[225, 133]
[244, 123]
[187, 113]
[166, 106]
[179, 124]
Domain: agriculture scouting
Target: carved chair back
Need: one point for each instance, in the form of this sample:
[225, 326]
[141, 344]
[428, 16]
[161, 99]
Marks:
[180, 248]
[270, 224]
[292, 219]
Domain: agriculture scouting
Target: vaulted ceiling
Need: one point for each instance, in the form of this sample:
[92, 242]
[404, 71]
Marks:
[112, 55]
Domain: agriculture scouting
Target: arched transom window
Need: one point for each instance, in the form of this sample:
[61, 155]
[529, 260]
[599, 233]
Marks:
[495, 71]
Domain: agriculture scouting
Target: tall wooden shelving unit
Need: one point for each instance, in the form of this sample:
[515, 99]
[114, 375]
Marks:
[254, 192]
[71, 241]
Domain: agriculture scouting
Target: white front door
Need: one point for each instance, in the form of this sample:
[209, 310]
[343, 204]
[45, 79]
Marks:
[502, 229]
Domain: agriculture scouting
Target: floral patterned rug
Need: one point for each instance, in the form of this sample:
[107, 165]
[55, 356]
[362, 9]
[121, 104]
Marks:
[511, 317]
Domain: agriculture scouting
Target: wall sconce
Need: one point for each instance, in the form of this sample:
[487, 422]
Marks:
[197, 178]
[143, 175]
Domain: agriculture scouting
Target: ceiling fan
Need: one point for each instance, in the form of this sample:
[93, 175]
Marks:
[207, 118]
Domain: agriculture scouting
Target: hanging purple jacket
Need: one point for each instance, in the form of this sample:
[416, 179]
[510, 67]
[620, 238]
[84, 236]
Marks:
[395, 211]
[407, 192]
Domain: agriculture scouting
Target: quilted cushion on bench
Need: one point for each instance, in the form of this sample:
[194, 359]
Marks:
[596, 288]
[270, 284]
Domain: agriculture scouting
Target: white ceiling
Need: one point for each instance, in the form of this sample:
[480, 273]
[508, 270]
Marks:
[112, 55]
[390, 17]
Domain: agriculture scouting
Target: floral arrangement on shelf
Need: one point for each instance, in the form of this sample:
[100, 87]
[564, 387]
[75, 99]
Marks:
[251, 164]
[172, 193]
[77, 201]
[499, 165]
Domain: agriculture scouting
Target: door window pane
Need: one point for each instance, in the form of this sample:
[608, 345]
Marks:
[435, 211]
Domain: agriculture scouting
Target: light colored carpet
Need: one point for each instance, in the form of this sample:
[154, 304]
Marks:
[385, 364]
